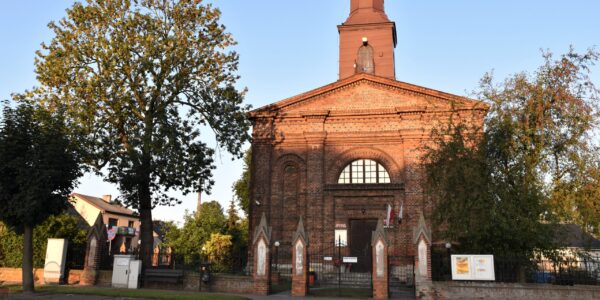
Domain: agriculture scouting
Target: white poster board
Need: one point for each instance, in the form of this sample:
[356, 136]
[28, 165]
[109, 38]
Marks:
[473, 267]
[56, 256]
[341, 237]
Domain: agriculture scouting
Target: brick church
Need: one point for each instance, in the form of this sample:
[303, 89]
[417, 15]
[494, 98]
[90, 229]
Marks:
[344, 155]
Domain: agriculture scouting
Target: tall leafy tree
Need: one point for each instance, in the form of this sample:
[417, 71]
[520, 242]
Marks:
[241, 187]
[140, 78]
[197, 229]
[498, 186]
[39, 166]
[237, 228]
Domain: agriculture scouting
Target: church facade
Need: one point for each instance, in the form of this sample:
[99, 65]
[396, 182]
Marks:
[348, 154]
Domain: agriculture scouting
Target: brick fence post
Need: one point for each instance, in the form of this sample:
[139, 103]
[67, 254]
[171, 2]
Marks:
[380, 273]
[89, 276]
[299, 262]
[422, 239]
[262, 263]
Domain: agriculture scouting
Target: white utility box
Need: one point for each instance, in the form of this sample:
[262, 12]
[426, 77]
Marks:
[135, 269]
[120, 275]
[56, 256]
[126, 271]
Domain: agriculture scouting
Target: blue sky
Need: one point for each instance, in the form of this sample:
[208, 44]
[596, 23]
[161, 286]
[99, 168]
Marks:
[290, 46]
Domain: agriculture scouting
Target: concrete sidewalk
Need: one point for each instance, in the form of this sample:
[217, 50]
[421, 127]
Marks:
[401, 295]
[281, 296]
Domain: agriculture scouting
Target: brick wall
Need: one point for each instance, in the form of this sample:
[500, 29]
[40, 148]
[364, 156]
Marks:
[513, 291]
[220, 283]
[302, 144]
[15, 275]
[232, 284]
[104, 278]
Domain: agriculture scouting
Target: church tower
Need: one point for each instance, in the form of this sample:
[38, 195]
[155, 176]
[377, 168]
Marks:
[367, 40]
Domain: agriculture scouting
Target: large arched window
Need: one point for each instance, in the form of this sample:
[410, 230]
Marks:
[364, 171]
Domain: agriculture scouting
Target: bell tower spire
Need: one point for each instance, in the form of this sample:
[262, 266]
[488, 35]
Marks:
[367, 40]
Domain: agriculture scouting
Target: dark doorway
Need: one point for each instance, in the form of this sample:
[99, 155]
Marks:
[360, 243]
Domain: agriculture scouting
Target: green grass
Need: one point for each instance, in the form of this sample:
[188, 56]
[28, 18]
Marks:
[342, 292]
[12, 288]
[111, 292]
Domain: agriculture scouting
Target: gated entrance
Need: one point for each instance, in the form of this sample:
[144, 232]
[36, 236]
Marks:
[340, 266]
[401, 277]
[332, 269]
[360, 244]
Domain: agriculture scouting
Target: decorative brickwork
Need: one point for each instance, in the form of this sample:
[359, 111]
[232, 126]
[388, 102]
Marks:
[303, 143]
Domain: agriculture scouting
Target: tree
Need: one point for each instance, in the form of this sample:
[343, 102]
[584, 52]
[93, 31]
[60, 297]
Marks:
[168, 232]
[39, 166]
[241, 188]
[63, 226]
[140, 78]
[232, 216]
[237, 228]
[218, 249]
[197, 230]
[498, 186]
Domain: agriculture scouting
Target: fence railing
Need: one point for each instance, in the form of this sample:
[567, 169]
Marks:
[230, 263]
[563, 271]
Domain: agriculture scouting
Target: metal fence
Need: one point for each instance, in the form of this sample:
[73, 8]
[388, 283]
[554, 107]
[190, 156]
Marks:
[562, 271]
[231, 263]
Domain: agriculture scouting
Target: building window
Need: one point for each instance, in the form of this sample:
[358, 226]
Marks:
[130, 224]
[364, 61]
[364, 171]
[112, 222]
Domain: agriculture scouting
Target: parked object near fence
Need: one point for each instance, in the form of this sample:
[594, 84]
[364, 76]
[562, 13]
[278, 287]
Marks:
[56, 257]
[126, 271]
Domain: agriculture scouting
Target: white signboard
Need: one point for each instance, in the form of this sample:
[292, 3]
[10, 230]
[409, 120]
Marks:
[379, 258]
[299, 257]
[348, 259]
[473, 267]
[327, 258]
[56, 257]
[341, 237]
[422, 255]
[262, 258]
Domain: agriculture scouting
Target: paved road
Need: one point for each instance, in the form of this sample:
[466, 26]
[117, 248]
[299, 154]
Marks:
[39, 296]
[280, 296]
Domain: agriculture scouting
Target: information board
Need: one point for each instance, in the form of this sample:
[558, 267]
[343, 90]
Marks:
[473, 267]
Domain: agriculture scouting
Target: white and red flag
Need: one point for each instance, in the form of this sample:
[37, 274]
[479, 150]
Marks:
[389, 218]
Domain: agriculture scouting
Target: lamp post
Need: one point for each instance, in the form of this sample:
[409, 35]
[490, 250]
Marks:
[277, 255]
[204, 254]
[449, 250]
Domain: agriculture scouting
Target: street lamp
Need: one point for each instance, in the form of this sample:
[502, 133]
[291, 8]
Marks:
[449, 249]
[277, 255]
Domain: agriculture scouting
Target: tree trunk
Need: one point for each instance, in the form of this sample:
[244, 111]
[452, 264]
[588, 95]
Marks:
[145, 196]
[27, 268]
[146, 234]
